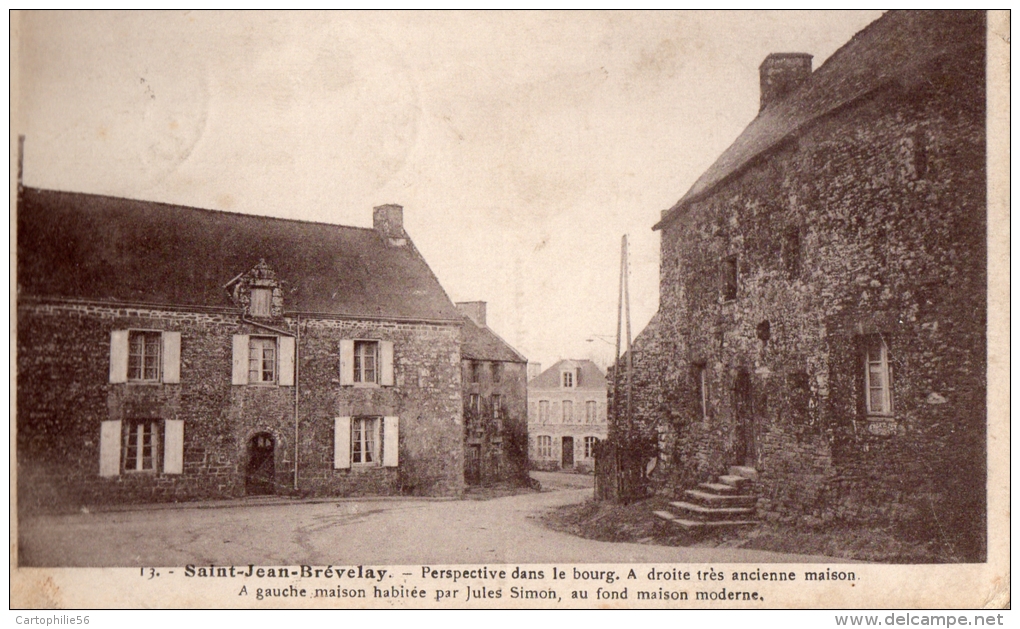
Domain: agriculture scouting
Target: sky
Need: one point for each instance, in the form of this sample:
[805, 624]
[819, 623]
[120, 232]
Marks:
[522, 146]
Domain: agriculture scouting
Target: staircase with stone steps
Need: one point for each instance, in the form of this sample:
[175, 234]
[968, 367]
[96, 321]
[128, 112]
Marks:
[727, 503]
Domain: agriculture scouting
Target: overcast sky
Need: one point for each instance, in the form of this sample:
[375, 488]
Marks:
[521, 145]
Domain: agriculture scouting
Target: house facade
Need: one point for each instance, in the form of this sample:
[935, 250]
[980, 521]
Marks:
[167, 353]
[495, 392]
[566, 416]
[823, 293]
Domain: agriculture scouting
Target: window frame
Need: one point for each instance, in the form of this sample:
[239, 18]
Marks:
[358, 365]
[370, 441]
[145, 334]
[475, 372]
[129, 431]
[590, 441]
[497, 405]
[268, 302]
[496, 371]
[260, 372]
[567, 379]
[544, 411]
[591, 411]
[885, 368]
[564, 405]
[701, 385]
[730, 276]
[544, 446]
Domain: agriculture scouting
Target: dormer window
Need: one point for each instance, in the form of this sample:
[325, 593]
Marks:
[261, 302]
[568, 379]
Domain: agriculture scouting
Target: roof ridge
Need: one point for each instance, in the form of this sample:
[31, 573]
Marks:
[196, 208]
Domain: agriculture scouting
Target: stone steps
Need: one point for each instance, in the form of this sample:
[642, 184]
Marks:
[726, 503]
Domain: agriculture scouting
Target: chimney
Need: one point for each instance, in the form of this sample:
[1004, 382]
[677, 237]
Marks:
[388, 220]
[474, 310]
[534, 369]
[781, 73]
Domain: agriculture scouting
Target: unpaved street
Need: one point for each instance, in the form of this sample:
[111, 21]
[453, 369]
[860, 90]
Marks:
[394, 531]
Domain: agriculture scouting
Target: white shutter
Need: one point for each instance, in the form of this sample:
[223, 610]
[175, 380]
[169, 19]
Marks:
[171, 357]
[391, 441]
[386, 360]
[173, 446]
[241, 351]
[109, 448]
[118, 356]
[346, 362]
[286, 361]
[342, 443]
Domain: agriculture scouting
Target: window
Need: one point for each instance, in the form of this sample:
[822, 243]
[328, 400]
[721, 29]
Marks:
[568, 411]
[543, 411]
[365, 442]
[545, 446]
[877, 376]
[262, 360]
[568, 379]
[701, 388]
[591, 412]
[729, 278]
[497, 406]
[497, 372]
[141, 445]
[144, 356]
[261, 302]
[791, 252]
[589, 446]
[366, 361]
[476, 372]
[475, 403]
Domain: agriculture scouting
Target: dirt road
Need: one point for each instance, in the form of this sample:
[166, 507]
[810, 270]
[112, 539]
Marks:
[391, 531]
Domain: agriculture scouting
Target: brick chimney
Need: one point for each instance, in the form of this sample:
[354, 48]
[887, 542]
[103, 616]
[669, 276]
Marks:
[388, 220]
[781, 73]
[474, 310]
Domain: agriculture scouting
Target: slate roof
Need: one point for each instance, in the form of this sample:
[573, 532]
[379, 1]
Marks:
[897, 47]
[591, 376]
[97, 248]
[481, 343]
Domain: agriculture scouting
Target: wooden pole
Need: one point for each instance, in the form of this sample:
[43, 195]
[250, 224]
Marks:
[630, 360]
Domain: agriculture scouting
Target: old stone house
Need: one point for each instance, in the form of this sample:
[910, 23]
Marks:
[172, 353]
[495, 392]
[566, 415]
[823, 293]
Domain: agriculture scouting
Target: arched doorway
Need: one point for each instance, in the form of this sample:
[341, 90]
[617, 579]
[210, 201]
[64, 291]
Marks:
[261, 472]
[744, 448]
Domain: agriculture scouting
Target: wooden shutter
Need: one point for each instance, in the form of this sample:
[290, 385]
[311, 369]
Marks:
[118, 356]
[171, 357]
[173, 446]
[241, 351]
[391, 441]
[386, 363]
[109, 448]
[286, 361]
[346, 362]
[342, 443]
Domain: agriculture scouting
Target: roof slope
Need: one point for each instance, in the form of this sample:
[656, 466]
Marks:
[481, 343]
[90, 247]
[895, 47]
[591, 376]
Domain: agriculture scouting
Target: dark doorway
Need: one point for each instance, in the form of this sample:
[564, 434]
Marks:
[745, 447]
[261, 473]
[568, 452]
[473, 465]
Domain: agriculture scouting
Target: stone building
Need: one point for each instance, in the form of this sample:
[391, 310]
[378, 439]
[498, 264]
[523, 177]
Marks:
[566, 416]
[169, 353]
[495, 394]
[823, 293]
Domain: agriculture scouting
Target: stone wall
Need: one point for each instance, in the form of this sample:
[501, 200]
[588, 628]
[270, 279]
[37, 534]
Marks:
[502, 443]
[64, 393]
[871, 221]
